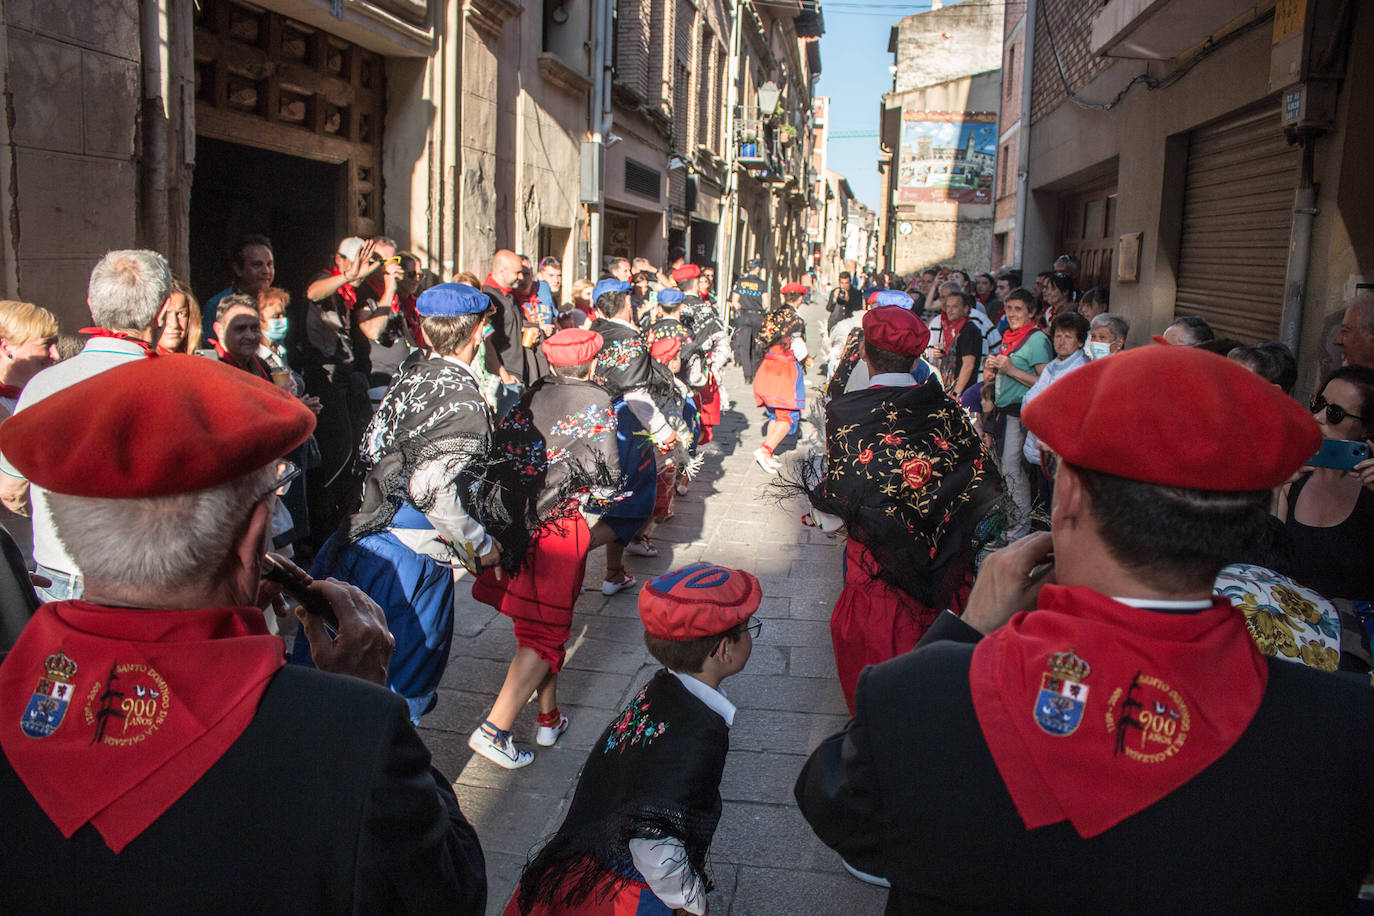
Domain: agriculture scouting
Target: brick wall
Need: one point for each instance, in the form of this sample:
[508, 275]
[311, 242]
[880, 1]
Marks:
[1071, 22]
[660, 51]
[633, 20]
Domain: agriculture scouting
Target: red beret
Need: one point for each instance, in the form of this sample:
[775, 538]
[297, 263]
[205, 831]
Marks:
[155, 427]
[572, 347]
[686, 272]
[665, 348]
[1175, 416]
[793, 288]
[895, 329]
[698, 600]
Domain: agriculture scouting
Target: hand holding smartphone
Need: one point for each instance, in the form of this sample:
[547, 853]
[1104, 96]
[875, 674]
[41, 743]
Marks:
[1340, 454]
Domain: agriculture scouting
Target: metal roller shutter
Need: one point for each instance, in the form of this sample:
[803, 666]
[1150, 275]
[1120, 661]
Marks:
[1237, 213]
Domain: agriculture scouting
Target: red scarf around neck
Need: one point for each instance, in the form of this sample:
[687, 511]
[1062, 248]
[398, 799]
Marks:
[109, 715]
[10, 391]
[490, 281]
[1094, 710]
[950, 335]
[256, 365]
[1012, 340]
[119, 335]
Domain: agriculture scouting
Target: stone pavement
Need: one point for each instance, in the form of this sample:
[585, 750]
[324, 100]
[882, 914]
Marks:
[765, 860]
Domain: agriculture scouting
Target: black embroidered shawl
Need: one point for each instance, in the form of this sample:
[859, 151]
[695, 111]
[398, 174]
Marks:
[654, 773]
[624, 363]
[909, 477]
[558, 442]
[432, 411]
[781, 323]
[844, 365]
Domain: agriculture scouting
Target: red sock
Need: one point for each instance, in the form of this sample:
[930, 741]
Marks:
[550, 718]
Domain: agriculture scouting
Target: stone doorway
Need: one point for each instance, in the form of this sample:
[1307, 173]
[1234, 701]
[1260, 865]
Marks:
[298, 203]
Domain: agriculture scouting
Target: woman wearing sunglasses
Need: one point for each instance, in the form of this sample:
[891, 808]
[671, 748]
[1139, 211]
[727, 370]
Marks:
[1328, 514]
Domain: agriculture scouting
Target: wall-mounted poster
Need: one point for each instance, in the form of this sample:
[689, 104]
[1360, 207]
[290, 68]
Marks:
[947, 156]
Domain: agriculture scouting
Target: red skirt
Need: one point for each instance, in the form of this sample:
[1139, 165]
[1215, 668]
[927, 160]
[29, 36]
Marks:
[874, 622]
[624, 897]
[708, 403]
[778, 382]
[541, 595]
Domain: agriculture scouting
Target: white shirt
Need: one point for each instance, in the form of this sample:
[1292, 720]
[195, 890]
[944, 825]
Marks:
[99, 354]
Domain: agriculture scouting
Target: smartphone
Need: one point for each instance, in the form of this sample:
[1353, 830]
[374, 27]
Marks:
[1341, 454]
[296, 586]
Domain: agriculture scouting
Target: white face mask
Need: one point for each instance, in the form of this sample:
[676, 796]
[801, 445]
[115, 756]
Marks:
[1097, 349]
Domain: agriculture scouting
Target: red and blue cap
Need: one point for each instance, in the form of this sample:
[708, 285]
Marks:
[698, 600]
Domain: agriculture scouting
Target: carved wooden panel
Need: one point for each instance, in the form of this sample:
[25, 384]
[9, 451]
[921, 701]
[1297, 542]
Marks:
[268, 81]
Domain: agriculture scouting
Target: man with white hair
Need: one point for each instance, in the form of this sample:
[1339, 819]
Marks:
[1355, 338]
[167, 760]
[126, 292]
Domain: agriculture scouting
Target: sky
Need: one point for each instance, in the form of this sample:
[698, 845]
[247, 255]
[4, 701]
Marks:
[854, 73]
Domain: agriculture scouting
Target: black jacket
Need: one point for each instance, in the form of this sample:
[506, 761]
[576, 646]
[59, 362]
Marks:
[325, 804]
[1282, 823]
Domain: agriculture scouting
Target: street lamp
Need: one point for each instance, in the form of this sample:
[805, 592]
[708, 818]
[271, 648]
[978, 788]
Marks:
[768, 98]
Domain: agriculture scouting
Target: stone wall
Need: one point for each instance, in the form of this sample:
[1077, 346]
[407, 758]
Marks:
[946, 43]
[71, 76]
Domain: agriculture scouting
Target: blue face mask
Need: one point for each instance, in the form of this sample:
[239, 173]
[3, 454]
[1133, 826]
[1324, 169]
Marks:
[1097, 349]
[276, 329]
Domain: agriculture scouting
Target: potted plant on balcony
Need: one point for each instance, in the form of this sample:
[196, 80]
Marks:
[786, 133]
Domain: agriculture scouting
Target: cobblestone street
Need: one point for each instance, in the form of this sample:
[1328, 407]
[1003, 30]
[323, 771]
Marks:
[765, 859]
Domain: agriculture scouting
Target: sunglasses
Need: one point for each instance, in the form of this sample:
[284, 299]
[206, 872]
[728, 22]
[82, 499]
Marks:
[1335, 413]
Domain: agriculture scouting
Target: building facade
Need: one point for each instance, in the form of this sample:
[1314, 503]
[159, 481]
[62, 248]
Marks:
[455, 127]
[1205, 159]
[939, 137]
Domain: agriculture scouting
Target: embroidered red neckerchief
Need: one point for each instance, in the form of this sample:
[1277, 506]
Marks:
[1012, 340]
[950, 335]
[1094, 710]
[119, 335]
[109, 715]
[10, 391]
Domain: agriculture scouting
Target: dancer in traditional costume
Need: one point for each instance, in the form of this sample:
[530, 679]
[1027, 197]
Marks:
[906, 475]
[425, 448]
[625, 369]
[778, 386]
[561, 449]
[640, 825]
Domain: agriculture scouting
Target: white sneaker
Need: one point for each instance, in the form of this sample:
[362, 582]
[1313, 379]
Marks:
[766, 461]
[503, 754]
[610, 587]
[641, 547]
[865, 876]
[548, 734]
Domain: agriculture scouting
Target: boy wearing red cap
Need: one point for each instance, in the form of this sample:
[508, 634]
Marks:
[559, 447]
[908, 479]
[646, 807]
[778, 386]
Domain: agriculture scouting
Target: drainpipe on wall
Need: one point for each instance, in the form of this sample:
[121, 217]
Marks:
[729, 217]
[154, 50]
[597, 123]
[1023, 136]
[1299, 250]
